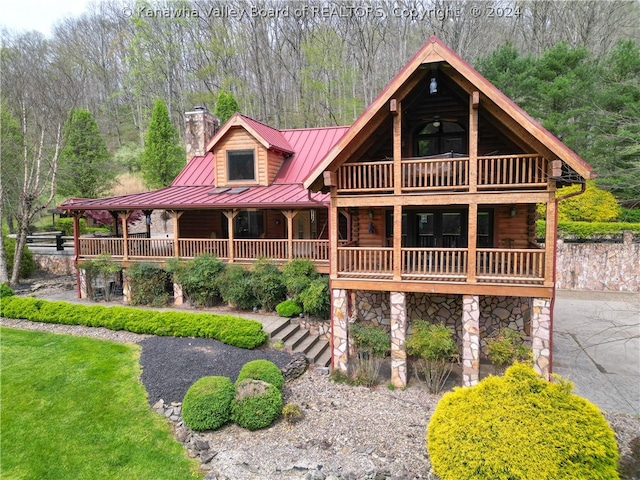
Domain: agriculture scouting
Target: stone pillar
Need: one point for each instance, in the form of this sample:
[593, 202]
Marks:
[200, 127]
[398, 338]
[340, 354]
[82, 278]
[541, 336]
[470, 340]
[178, 295]
[126, 287]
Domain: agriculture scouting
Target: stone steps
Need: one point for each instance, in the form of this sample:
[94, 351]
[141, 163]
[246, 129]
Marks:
[300, 340]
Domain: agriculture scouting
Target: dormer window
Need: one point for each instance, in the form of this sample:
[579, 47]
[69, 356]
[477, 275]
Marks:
[241, 165]
[440, 137]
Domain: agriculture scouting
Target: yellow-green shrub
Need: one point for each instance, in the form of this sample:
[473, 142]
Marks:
[520, 427]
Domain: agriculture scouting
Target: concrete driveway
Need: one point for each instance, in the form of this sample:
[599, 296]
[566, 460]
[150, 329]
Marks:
[596, 345]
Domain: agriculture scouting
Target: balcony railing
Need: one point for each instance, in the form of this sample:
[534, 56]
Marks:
[421, 174]
[242, 251]
[514, 266]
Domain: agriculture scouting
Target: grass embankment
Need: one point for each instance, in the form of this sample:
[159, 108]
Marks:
[74, 408]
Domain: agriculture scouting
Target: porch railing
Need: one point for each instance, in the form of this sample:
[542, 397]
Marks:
[419, 174]
[434, 264]
[92, 247]
[150, 247]
[192, 247]
[509, 265]
[252, 249]
[365, 262]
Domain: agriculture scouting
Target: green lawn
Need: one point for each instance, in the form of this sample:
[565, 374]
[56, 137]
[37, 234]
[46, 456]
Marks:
[74, 408]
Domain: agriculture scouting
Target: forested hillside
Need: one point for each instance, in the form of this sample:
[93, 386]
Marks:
[574, 65]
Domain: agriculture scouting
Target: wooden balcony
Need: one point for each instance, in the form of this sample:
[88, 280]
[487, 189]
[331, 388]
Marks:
[235, 251]
[492, 265]
[503, 172]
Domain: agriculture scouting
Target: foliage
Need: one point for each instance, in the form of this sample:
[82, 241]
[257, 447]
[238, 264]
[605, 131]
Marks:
[65, 225]
[207, 403]
[434, 347]
[199, 278]
[86, 169]
[264, 370]
[104, 217]
[101, 270]
[226, 106]
[257, 404]
[288, 308]
[518, 427]
[297, 275]
[5, 291]
[266, 283]
[316, 299]
[588, 230]
[163, 155]
[27, 265]
[148, 284]
[371, 344]
[594, 205]
[292, 413]
[235, 287]
[506, 347]
[85, 410]
[227, 329]
[129, 155]
[630, 215]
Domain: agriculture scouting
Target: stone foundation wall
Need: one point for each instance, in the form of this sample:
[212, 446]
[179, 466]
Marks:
[496, 312]
[608, 267]
[58, 263]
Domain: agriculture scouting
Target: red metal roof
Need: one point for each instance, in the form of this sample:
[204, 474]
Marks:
[197, 197]
[199, 171]
[273, 137]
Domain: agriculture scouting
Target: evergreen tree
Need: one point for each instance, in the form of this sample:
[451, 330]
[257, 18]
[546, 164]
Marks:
[86, 169]
[163, 155]
[226, 106]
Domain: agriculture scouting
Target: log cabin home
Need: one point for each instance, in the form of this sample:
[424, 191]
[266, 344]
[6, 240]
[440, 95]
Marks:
[424, 208]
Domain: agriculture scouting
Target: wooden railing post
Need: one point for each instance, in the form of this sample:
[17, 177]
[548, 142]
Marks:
[230, 214]
[289, 214]
[473, 145]
[396, 108]
[472, 230]
[175, 216]
[550, 239]
[124, 216]
[397, 242]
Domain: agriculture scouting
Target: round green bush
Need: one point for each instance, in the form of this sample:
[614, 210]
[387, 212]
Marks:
[5, 291]
[207, 403]
[257, 404]
[262, 370]
[519, 427]
[288, 308]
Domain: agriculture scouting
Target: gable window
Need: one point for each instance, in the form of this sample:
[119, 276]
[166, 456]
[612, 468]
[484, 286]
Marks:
[241, 165]
[440, 137]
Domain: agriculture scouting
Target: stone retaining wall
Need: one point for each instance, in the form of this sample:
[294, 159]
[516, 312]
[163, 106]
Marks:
[606, 267]
[58, 263]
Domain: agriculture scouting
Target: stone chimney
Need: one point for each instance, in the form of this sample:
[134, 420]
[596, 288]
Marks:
[200, 127]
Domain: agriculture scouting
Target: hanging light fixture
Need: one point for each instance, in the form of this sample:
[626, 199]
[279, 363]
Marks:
[436, 121]
[433, 86]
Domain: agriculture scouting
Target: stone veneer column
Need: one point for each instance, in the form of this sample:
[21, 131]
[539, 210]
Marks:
[470, 340]
[82, 278]
[398, 338]
[340, 354]
[178, 294]
[126, 287]
[541, 335]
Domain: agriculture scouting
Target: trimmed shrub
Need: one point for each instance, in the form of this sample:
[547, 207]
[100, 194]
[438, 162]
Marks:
[266, 283]
[434, 347]
[199, 279]
[262, 370]
[207, 403]
[371, 344]
[288, 308]
[520, 426]
[28, 265]
[235, 287]
[148, 285]
[66, 226]
[315, 298]
[257, 404]
[231, 330]
[5, 291]
[588, 230]
[506, 347]
[297, 276]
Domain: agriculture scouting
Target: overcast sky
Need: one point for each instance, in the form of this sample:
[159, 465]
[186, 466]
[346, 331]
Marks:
[41, 15]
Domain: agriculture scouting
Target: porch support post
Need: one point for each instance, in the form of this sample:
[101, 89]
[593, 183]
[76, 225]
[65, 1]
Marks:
[472, 229]
[82, 283]
[398, 338]
[470, 340]
[397, 146]
[289, 214]
[126, 287]
[124, 216]
[175, 216]
[339, 330]
[77, 253]
[230, 214]
[178, 294]
[397, 242]
[541, 336]
[333, 236]
[550, 240]
[147, 221]
[474, 101]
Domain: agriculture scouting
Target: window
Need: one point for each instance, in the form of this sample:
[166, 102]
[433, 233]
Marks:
[241, 165]
[247, 224]
[440, 137]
